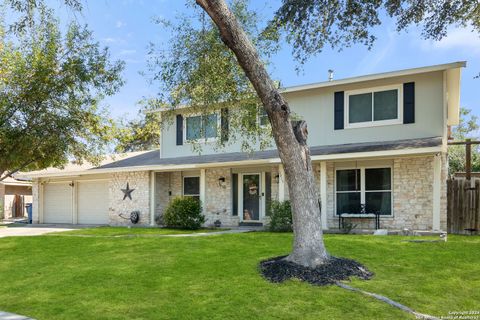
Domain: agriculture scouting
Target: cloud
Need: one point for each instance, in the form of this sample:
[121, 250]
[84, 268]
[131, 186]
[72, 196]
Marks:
[458, 39]
[127, 52]
[120, 24]
[112, 40]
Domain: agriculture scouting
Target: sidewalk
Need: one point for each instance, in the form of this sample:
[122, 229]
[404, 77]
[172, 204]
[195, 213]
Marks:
[12, 316]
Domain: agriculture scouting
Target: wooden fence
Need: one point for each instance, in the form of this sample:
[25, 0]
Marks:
[463, 206]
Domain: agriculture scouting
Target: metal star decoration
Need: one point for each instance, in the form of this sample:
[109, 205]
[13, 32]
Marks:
[127, 192]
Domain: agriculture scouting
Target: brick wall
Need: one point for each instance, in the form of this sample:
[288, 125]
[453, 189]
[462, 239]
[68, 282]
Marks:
[2, 200]
[35, 202]
[140, 181]
[412, 195]
[218, 199]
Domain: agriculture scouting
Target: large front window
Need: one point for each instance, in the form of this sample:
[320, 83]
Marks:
[201, 127]
[373, 107]
[364, 190]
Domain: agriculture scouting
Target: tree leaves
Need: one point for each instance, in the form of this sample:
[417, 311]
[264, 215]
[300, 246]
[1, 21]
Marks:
[310, 25]
[194, 68]
[50, 88]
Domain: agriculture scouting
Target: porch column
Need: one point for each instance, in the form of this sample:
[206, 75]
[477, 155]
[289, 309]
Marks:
[152, 198]
[323, 193]
[437, 182]
[202, 188]
[281, 183]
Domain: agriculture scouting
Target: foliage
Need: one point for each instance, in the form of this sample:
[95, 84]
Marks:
[142, 133]
[105, 273]
[24, 12]
[310, 25]
[467, 129]
[184, 213]
[194, 68]
[280, 216]
[50, 87]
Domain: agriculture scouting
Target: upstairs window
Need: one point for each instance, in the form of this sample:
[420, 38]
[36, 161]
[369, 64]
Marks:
[373, 107]
[263, 117]
[201, 128]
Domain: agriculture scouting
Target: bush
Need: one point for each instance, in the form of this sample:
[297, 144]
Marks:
[184, 213]
[280, 216]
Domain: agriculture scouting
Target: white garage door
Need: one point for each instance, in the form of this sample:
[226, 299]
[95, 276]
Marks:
[92, 202]
[57, 207]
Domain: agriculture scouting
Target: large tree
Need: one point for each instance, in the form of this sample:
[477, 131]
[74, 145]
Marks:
[51, 83]
[141, 133]
[310, 25]
[195, 68]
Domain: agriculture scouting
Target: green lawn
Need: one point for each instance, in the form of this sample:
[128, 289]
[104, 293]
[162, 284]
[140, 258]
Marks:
[216, 277]
[125, 231]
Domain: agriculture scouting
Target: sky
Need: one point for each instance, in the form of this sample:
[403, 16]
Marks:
[127, 27]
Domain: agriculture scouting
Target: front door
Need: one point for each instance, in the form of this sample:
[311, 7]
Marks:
[251, 197]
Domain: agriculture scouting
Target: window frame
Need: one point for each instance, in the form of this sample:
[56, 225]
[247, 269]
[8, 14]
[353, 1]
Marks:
[201, 140]
[183, 186]
[363, 190]
[373, 123]
[260, 115]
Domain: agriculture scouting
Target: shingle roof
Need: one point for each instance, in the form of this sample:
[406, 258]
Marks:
[152, 158]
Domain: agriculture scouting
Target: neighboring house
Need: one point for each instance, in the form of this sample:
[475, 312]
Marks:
[14, 195]
[378, 143]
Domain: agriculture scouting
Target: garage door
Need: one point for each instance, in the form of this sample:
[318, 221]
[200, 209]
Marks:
[57, 206]
[93, 202]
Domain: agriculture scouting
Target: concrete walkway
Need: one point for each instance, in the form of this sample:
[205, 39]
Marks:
[12, 316]
[28, 230]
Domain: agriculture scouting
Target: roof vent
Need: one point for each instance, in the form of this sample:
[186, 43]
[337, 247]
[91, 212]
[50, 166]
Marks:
[330, 75]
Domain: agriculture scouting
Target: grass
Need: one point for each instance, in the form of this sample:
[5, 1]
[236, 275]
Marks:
[125, 231]
[216, 277]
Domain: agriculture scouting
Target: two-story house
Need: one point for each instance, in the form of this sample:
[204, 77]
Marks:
[378, 145]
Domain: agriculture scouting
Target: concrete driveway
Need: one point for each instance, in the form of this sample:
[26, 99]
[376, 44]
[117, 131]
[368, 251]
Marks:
[29, 230]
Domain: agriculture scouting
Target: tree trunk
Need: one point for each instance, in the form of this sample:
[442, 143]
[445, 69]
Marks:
[308, 246]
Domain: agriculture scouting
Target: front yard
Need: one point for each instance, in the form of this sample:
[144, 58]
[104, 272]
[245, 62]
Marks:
[216, 277]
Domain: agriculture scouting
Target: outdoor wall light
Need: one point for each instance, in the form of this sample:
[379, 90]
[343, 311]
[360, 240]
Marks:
[221, 182]
[277, 178]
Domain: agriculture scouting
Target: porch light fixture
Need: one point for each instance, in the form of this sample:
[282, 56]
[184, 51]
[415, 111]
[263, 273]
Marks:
[277, 178]
[221, 182]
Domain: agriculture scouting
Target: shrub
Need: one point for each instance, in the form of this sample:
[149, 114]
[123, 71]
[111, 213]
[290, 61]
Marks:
[280, 216]
[184, 213]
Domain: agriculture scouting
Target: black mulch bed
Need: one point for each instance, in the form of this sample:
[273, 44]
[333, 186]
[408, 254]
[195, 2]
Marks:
[336, 269]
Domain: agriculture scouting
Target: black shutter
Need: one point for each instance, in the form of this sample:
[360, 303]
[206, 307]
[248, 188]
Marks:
[234, 194]
[409, 102]
[179, 130]
[224, 125]
[339, 107]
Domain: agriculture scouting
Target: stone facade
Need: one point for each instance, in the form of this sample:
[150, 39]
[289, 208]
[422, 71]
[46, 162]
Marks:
[120, 209]
[218, 198]
[412, 195]
[2, 200]
[443, 193]
[36, 202]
